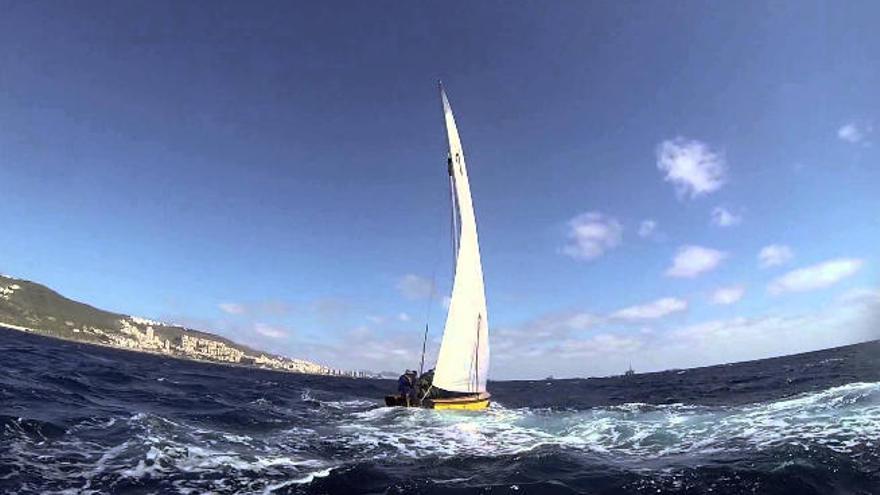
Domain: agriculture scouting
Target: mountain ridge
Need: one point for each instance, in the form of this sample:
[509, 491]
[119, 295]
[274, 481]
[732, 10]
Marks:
[33, 307]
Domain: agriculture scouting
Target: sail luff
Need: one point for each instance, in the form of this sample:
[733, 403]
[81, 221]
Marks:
[463, 362]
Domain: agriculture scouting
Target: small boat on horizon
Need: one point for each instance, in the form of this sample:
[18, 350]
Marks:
[459, 379]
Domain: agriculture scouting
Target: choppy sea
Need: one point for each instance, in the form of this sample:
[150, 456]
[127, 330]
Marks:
[82, 419]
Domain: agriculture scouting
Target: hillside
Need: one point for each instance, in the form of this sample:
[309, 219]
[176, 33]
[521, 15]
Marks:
[29, 306]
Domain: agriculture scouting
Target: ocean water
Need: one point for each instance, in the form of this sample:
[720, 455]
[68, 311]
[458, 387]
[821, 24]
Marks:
[81, 419]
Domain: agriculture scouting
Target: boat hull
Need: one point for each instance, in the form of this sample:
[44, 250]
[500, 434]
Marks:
[475, 402]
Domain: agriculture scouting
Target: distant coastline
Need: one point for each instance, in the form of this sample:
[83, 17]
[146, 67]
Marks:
[30, 307]
[178, 357]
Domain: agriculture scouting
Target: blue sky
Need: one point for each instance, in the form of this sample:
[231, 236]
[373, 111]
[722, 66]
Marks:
[276, 173]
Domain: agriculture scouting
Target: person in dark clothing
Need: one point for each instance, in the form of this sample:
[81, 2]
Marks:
[413, 391]
[424, 384]
[405, 385]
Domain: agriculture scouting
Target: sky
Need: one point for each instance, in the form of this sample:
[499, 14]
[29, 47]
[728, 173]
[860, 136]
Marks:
[667, 184]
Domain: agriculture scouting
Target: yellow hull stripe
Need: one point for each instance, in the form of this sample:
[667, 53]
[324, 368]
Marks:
[475, 405]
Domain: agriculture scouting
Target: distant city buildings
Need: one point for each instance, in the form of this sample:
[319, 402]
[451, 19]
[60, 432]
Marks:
[18, 312]
[8, 290]
[134, 338]
[135, 334]
[203, 348]
[208, 349]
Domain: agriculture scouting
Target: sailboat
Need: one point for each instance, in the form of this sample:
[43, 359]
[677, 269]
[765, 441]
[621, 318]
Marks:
[459, 380]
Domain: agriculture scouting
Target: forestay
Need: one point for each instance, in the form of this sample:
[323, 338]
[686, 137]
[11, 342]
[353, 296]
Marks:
[463, 362]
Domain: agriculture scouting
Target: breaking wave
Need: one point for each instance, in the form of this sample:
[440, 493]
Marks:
[841, 418]
[154, 449]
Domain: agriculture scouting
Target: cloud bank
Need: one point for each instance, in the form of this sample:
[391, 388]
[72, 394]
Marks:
[604, 350]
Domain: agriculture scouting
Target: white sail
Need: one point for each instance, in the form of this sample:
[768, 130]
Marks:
[463, 362]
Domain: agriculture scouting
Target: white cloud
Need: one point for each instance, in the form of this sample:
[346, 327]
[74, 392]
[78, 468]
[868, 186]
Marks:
[600, 345]
[728, 295]
[382, 320]
[854, 132]
[815, 277]
[364, 348]
[581, 321]
[652, 310]
[591, 234]
[647, 228]
[774, 254]
[232, 308]
[691, 261]
[360, 333]
[691, 166]
[269, 331]
[538, 334]
[413, 286]
[723, 217]
[269, 307]
[559, 324]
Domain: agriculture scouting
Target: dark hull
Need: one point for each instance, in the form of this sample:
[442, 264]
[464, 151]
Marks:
[396, 401]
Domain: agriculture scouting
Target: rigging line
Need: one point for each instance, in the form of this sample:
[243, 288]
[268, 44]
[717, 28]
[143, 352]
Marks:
[453, 200]
[477, 355]
[471, 372]
[424, 347]
[426, 393]
[474, 372]
[433, 294]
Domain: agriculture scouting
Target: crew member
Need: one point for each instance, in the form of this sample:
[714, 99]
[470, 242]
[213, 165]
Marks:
[405, 385]
[424, 384]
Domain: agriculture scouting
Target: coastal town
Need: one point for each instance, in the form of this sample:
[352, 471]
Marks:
[23, 307]
[205, 349]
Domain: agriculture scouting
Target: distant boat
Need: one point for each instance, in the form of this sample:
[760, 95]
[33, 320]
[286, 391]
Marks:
[630, 371]
[463, 362]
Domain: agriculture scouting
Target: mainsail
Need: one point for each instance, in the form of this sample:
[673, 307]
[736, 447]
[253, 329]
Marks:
[463, 362]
